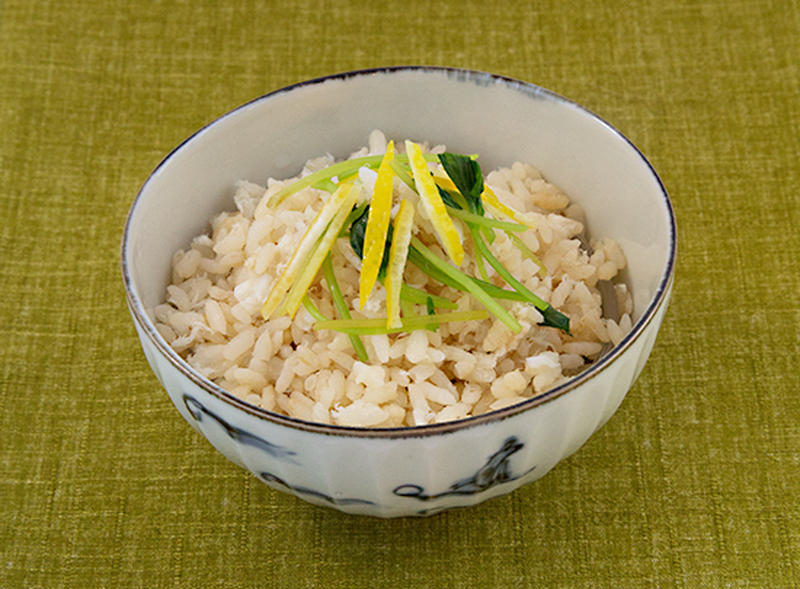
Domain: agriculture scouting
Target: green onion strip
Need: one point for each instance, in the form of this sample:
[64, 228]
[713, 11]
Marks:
[340, 169]
[341, 307]
[469, 284]
[356, 327]
[482, 230]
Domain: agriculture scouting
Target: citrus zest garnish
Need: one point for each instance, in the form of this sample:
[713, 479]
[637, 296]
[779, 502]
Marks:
[398, 254]
[445, 182]
[323, 248]
[490, 198]
[377, 227]
[433, 205]
[528, 253]
[305, 249]
[456, 190]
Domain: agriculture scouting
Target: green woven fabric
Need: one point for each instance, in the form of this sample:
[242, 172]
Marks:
[695, 482]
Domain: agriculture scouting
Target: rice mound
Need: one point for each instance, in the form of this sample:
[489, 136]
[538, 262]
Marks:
[211, 314]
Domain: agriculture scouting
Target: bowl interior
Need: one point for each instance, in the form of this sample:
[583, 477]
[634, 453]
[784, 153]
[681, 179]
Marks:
[502, 120]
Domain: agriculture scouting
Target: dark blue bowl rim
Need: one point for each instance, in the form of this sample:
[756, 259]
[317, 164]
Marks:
[476, 76]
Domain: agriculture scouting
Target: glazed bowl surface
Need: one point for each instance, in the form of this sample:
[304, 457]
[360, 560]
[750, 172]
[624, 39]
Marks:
[425, 469]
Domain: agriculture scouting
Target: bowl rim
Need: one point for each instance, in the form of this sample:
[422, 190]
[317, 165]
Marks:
[660, 297]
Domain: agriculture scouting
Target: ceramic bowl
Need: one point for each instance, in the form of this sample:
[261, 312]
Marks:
[425, 469]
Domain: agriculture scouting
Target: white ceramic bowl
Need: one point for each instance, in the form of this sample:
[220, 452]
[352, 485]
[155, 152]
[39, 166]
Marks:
[426, 469]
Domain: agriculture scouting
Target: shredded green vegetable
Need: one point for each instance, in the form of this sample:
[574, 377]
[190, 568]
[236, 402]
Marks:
[465, 174]
[341, 169]
[378, 326]
[341, 307]
[420, 297]
[428, 268]
[469, 284]
[312, 309]
[462, 193]
[474, 219]
[527, 253]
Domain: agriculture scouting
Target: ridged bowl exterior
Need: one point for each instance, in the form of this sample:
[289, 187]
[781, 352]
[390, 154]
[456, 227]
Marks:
[403, 471]
[400, 476]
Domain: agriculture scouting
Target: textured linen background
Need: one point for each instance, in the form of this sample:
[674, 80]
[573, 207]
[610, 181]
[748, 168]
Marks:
[693, 483]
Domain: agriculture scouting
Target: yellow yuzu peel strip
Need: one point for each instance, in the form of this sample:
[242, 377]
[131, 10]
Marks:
[432, 204]
[380, 210]
[398, 254]
[490, 198]
[324, 246]
[304, 248]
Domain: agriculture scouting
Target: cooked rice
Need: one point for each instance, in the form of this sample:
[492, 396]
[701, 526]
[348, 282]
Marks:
[212, 318]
